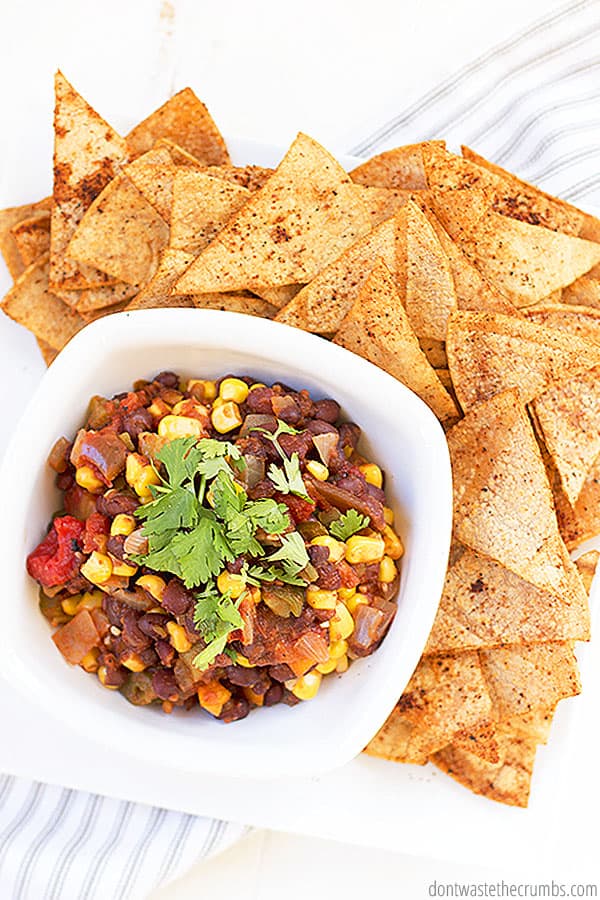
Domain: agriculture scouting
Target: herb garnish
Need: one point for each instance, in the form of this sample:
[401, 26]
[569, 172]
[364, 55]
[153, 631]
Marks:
[216, 616]
[289, 479]
[348, 524]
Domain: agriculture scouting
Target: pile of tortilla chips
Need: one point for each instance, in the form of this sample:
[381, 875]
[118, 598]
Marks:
[476, 290]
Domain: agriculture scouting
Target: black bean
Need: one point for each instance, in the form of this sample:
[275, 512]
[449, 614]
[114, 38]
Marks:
[177, 599]
[114, 545]
[114, 503]
[137, 421]
[166, 652]
[164, 684]
[328, 410]
[282, 672]
[236, 708]
[154, 625]
[168, 379]
[273, 695]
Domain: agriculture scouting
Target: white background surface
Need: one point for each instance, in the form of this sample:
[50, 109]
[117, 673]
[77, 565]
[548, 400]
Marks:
[267, 69]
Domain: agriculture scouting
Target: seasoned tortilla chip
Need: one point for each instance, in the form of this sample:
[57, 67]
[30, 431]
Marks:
[306, 214]
[584, 291]
[152, 173]
[48, 352]
[278, 296]
[8, 219]
[239, 302]
[503, 505]
[31, 304]
[507, 781]
[446, 695]
[93, 315]
[522, 680]
[581, 522]
[481, 742]
[121, 234]
[586, 566]
[489, 353]
[580, 321]
[524, 262]
[250, 177]
[32, 237]
[399, 168]
[382, 203]
[435, 351]
[568, 417]
[88, 153]
[486, 605]
[158, 291]
[378, 329]
[91, 299]
[185, 120]
[201, 207]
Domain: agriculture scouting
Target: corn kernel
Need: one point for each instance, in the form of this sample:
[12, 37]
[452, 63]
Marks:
[133, 467]
[122, 524]
[101, 673]
[320, 599]
[317, 470]
[154, 584]
[242, 661]
[87, 479]
[345, 594]
[213, 696]
[122, 568]
[337, 549]
[70, 604]
[209, 387]
[372, 473]
[328, 667]
[337, 649]
[253, 697]
[393, 544]
[233, 389]
[387, 570]
[179, 639]
[90, 600]
[257, 384]
[226, 417]
[133, 663]
[342, 665]
[97, 568]
[217, 402]
[191, 408]
[173, 427]
[232, 584]
[90, 661]
[388, 515]
[342, 624]
[158, 408]
[356, 601]
[363, 549]
[140, 475]
[307, 686]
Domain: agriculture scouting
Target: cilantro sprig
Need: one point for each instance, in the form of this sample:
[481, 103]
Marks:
[216, 616]
[287, 480]
[348, 524]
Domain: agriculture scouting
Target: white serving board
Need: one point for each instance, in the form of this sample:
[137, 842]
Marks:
[411, 809]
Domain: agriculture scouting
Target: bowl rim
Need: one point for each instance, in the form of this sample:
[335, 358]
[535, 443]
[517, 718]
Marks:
[276, 344]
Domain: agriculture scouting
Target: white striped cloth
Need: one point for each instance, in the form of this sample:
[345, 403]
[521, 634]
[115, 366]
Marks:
[530, 104]
[60, 844]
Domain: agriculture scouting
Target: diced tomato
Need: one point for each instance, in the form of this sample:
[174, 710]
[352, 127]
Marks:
[55, 560]
[300, 510]
[349, 577]
[97, 527]
[131, 401]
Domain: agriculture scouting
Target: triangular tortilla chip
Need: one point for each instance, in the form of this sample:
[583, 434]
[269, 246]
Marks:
[121, 234]
[378, 329]
[31, 304]
[32, 237]
[503, 505]
[584, 291]
[489, 353]
[486, 605]
[524, 262]
[158, 291]
[152, 173]
[278, 296]
[435, 351]
[250, 177]
[586, 565]
[507, 781]
[580, 522]
[580, 321]
[568, 417]
[239, 302]
[10, 218]
[88, 153]
[91, 299]
[201, 207]
[382, 203]
[48, 352]
[446, 695]
[482, 742]
[399, 168]
[185, 120]
[306, 214]
[100, 313]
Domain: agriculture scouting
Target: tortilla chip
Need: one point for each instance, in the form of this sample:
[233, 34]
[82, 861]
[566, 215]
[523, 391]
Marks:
[239, 302]
[250, 177]
[489, 353]
[522, 680]
[48, 352]
[486, 605]
[581, 522]
[152, 173]
[401, 168]
[382, 203]
[185, 120]
[11, 217]
[121, 234]
[583, 322]
[88, 153]
[532, 726]
[524, 262]
[278, 296]
[93, 315]
[444, 376]
[32, 237]
[503, 505]
[507, 781]
[378, 329]
[306, 214]
[585, 291]
[446, 695]
[158, 291]
[91, 299]
[483, 742]
[201, 207]
[435, 351]
[31, 304]
[568, 417]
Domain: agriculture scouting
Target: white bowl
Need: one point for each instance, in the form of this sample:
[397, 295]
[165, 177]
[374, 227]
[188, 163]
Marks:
[400, 433]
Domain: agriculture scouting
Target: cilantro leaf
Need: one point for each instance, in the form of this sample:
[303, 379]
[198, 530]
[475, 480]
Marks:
[292, 554]
[171, 509]
[348, 524]
[180, 458]
[216, 616]
[201, 552]
[289, 480]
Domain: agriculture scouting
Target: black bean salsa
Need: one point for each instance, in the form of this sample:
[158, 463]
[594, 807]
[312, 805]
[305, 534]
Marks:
[222, 544]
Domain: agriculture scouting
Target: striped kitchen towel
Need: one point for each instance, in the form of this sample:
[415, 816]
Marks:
[60, 844]
[530, 105]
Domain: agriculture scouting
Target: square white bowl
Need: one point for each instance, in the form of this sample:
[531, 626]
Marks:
[399, 432]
